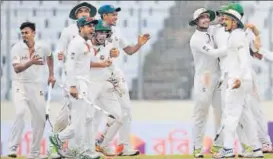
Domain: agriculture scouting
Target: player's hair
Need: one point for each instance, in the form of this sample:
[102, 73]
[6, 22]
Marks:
[28, 24]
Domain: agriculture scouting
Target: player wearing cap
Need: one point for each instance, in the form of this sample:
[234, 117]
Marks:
[28, 60]
[109, 15]
[239, 81]
[70, 32]
[221, 37]
[79, 54]
[206, 75]
[253, 36]
[103, 85]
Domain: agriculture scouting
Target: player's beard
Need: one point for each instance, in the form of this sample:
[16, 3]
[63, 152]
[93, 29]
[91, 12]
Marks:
[25, 41]
[101, 39]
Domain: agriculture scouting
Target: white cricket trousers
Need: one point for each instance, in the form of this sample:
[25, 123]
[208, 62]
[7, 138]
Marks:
[237, 111]
[28, 96]
[204, 96]
[254, 102]
[125, 129]
[103, 94]
[63, 118]
[76, 130]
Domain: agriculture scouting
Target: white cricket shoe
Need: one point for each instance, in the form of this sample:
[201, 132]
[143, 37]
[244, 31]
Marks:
[198, 153]
[90, 155]
[52, 153]
[125, 150]
[254, 154]
[224, 153]
[37, 157]
[13, 152]
[106, 151]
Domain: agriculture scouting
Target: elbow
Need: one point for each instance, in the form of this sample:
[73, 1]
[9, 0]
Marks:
[130, 53]
[16, 70]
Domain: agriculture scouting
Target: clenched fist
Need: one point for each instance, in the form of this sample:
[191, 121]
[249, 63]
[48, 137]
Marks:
[114, 52]
[61, 56]
[236, 84]
[74, 92]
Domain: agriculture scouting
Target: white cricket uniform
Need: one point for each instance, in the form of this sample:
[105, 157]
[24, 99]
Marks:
[207, 74]
[79, 54]
[69, 33]
[254, 102]
[236, 110]
[102, 91]
[120, 42]
[220, 41]
[27, 93]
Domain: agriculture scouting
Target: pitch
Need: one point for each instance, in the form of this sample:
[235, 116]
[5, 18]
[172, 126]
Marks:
[266, 156]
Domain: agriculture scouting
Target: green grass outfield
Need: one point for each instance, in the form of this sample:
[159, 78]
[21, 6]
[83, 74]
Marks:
[267, 156]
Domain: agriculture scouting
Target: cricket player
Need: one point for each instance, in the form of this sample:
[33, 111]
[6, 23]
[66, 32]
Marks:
[239, 83]
[102, 89]
[79, 54]
[28, 61]
[207, 75]
[253, 99]
[252, 35]
[109, 15]
[69, 33]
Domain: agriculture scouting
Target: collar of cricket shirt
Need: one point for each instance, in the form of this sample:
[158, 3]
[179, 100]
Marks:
[36, 46]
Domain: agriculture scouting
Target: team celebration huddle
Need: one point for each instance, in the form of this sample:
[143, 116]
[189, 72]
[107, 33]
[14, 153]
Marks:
[94, 87]
[224, 78]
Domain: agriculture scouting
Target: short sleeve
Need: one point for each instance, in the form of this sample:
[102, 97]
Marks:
[122, 41]
[47, 50]
[15, 54]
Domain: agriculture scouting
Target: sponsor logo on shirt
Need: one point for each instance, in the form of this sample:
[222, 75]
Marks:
[24, 58]
[102, 57]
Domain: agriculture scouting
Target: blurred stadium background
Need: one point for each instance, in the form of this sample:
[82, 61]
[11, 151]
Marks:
[162, 70]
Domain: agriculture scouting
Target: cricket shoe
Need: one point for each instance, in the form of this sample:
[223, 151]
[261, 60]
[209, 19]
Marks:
[37, 157]
[12, 152]
[246, 150]
[257, 153]
[215, 149]
[125, 150]
[267, 148]
[99, 141]
[52, 152]
[106, 151]
[90, 155]
[57, 144]
[197, 153]
[224, 153]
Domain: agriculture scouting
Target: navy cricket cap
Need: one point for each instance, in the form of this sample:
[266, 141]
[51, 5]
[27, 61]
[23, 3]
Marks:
[108, 9]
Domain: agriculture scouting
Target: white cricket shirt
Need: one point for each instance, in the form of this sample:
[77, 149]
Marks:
[78, 59]
[35, 73]
[238, 56]
[204, 55]
[102, 53]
